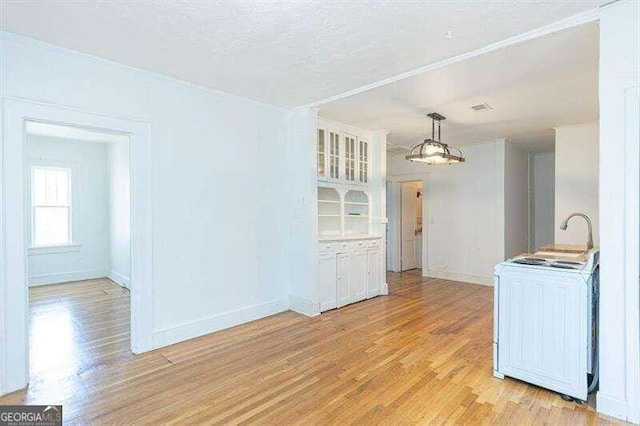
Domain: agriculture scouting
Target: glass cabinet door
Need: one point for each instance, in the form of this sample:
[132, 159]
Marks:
[334, 155]
[350, 158]
[363, 162]
[322, 153]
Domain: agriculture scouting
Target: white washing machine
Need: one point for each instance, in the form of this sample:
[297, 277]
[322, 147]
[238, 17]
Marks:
[545, 323]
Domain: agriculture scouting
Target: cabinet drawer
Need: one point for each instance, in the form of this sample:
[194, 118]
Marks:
[329, 246]
[373, 243]
[358, 245]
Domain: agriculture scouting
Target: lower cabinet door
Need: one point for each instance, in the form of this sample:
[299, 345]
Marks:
[343, 278]
[358, 276]
[374, 277]
[327, 285]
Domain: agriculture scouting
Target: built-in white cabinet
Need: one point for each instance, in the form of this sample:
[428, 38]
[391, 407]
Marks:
[350, 223]
[342, 157]
[374, 274]
[348, 272]
[342, 280]
[343, 212]
[327, 279]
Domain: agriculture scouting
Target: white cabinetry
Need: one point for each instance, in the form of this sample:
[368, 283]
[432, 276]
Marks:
[342, 157]
[327, 275]
[374, 279]
[349, 272]
[350, 217]
[342, 282]
[342, 212]
[358, 277]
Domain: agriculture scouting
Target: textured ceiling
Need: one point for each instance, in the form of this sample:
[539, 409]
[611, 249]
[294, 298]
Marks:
[532, 87]
[284, 53]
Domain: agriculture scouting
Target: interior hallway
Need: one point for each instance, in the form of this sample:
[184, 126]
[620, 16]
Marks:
[422, 354]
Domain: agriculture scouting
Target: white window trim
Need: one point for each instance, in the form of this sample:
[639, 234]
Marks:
[54, 249]
[76, 177]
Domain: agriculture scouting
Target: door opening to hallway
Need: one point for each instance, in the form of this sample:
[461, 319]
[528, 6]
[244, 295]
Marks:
[411, 225]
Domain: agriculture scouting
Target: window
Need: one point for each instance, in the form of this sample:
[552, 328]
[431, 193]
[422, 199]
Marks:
[51, 200]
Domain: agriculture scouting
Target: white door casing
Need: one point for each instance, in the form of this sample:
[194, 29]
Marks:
[409, 249]
[14, 353]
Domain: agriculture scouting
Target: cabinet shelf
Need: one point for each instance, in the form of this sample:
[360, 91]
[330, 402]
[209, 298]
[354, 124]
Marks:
[356, 203]
[328, 215]
[356, 216]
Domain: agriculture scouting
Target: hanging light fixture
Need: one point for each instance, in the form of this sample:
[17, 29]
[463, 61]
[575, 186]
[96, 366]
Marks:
[433, 151]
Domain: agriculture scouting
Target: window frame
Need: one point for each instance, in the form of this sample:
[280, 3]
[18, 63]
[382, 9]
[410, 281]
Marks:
[71, 245]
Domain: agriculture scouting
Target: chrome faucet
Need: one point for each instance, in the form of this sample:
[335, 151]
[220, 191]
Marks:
[582, 215]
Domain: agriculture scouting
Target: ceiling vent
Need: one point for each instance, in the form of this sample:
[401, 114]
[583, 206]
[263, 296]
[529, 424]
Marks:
[481, 107]
[396, 149]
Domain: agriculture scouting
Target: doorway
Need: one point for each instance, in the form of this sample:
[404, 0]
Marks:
[405, 233]
[14, 290]
[411, 225]
[77, 195]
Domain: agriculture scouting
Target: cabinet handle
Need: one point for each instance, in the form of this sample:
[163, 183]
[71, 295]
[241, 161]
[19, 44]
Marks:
[339, 277]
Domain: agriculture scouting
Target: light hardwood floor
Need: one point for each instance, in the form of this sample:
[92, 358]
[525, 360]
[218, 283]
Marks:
[420, 355]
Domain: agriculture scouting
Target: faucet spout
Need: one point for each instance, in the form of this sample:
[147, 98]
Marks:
[565, 223]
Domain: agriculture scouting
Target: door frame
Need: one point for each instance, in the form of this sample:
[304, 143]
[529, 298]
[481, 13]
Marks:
[418, 264]
[394, 206]
[632, 253]
[14, 294]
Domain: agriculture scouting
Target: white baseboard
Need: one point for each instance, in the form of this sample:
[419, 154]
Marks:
[194, 329]
[452, 276]
[121, 280]
[65, 277]
[611, 406]
[303, 306]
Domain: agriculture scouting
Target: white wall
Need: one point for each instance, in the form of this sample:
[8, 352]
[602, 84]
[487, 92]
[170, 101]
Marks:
[221, 210]
[619, 74]
[576, 183]
[90, 194]
[516, 201]
[543, 199]
[463, 212]
[119, 266]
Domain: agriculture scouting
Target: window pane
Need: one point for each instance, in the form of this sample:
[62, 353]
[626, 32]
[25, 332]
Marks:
[39, 186]
[51, 186]
[51, 225]
[62, 187]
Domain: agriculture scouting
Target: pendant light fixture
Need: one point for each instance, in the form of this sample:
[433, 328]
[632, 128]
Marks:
[433, 151]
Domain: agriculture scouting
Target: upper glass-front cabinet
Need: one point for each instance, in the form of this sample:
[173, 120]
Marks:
[363, 162]
[342, 157]
[334, 155]
[322, 154]
[350, 158]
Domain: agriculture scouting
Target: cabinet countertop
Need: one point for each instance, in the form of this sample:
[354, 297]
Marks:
[348, 238]
[566, 248]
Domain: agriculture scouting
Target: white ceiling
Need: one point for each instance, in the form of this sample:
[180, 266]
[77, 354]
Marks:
[532, 87]
[72, 133]
[282, 52]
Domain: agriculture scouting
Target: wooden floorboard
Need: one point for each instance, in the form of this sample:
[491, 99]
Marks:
[421, 355]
